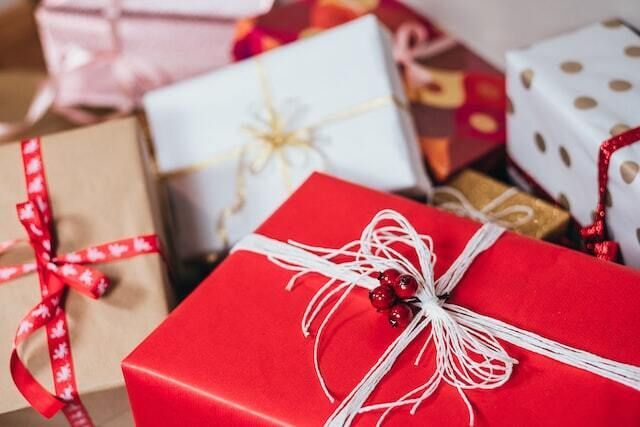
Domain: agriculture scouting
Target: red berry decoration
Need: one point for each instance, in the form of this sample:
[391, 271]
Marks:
[388, 277]
[382, 297]
[405, 286]
[400, 315]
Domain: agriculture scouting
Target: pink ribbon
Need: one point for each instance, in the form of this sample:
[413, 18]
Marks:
[133, 75]
[413, 42]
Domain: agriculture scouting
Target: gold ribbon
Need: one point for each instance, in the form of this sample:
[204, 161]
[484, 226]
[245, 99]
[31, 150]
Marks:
[268, 141]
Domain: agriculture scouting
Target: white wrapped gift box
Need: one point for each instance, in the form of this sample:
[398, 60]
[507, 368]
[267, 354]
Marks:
[569, 94]
[343, 80]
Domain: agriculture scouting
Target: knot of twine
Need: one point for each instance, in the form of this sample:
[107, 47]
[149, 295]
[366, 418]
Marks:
[272, 136]
[461, 206]
[469, 355]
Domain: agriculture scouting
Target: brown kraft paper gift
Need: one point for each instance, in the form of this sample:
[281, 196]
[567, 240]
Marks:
[100, 191]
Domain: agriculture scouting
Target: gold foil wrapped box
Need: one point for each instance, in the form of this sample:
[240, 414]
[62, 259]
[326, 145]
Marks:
[474, 194]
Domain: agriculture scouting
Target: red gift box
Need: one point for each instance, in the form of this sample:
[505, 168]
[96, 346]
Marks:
[233, 352]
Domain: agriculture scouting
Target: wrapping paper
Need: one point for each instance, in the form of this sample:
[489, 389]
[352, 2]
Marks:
[494, 27]
[548, 223]
[305, 18]
[568, 95]
[161, 44]
[100, 191]
[459, 114]
[308, 82]
[210, 8]
[252, 365]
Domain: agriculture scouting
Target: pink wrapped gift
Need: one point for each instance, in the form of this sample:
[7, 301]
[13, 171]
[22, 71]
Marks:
[107, 53]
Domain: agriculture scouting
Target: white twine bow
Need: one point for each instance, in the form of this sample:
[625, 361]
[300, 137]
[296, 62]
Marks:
[461, 206]
[468, 353]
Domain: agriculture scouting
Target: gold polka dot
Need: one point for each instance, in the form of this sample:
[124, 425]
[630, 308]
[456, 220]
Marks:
[632, 51]
[483, 122]
[584, 102]
[542, 146]
[526, 77]
[510, 108]
[571, 67]
[612, 23]
[619, 128]
[564, 155]
[619, 85]
[564, 202]
[629, 170]
[608, 200]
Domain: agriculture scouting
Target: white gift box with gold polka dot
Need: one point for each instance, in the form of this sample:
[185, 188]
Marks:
[568, 95]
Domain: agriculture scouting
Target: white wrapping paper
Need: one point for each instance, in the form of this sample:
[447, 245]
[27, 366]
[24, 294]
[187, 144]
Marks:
[309, 81]
[569, 94]
[492, 27]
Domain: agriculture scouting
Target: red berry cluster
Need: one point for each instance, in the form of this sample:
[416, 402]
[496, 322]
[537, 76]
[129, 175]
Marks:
[388, 297]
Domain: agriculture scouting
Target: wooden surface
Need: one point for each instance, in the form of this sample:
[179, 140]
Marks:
[19, 44]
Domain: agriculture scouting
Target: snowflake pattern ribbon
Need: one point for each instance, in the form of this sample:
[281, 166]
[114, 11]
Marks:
[57, 273]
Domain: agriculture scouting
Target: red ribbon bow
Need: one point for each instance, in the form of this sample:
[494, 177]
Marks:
[594, 235]
[56, 273]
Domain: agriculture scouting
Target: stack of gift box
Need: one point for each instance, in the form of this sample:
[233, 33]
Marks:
[403, 219]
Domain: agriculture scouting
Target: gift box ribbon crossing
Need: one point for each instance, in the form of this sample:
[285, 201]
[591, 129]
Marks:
[469, 354]
[133, 75]
[269, 138]
[460, 205]
[56, 273]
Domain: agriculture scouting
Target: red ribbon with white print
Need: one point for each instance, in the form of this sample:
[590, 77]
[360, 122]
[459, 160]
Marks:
[56, 273]
[595, 235]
